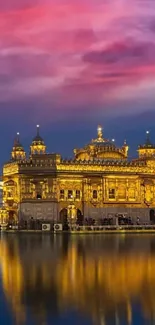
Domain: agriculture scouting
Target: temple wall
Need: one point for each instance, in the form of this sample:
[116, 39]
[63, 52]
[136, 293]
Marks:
[96, 213]
[42, 210]
[51, 211]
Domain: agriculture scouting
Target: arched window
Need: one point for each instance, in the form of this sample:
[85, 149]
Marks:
[62, 194]
[77, 194]
[70, 194]
[111, 193]
[94, 194]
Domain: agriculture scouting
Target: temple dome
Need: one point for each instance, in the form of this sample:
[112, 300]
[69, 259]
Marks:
[38, 138]
[101, 148]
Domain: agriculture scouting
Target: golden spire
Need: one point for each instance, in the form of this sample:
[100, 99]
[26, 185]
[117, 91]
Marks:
[148, 142]
[18, 137]
[99, 135]
[99, 132]
[38, 128]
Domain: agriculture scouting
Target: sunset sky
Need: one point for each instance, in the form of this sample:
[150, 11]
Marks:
[72, 64]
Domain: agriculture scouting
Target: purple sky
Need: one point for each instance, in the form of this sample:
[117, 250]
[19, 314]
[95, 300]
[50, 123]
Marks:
[71, 64]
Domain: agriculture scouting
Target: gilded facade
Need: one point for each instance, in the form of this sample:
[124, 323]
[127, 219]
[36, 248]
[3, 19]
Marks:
[97, 182]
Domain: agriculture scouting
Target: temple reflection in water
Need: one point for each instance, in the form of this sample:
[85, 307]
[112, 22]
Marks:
[101, 278]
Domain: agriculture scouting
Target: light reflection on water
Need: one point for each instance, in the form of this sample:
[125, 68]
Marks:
[89, 280]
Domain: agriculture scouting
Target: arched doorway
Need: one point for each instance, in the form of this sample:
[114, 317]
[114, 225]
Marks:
[11, 218]
[71, 214]
[63, 215]
[80, 218]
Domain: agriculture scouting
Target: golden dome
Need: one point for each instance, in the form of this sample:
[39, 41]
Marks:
[101, 148]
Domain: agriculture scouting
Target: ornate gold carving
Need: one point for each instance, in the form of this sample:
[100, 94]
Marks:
[131, 183]
[10, 169]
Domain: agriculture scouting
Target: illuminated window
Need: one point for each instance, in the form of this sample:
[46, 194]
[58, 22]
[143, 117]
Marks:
[77, 194]
[62, 194]
[111, 193]
[70, 194]
[94, 194]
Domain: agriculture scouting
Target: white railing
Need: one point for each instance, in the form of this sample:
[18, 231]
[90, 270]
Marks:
[114, 227]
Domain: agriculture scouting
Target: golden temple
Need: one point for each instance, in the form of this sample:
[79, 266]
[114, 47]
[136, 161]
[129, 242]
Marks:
[97, 182]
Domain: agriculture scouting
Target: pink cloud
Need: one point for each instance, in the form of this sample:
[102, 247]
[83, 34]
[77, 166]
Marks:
[77, 52]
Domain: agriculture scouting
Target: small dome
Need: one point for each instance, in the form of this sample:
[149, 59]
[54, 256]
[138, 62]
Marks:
[38, 138]
[18, 151]
[146, 150]
[38, 145]
[148, 144]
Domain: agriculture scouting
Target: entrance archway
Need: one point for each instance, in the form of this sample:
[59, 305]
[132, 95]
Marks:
[11, 217]
[63, 215]
[71, 213]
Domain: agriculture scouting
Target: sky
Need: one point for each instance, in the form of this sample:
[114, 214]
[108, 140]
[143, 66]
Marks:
[70, 65]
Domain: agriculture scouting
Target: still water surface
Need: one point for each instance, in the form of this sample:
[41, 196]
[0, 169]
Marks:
[80, 280]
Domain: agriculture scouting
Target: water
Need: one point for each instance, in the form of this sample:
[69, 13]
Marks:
[80, 280]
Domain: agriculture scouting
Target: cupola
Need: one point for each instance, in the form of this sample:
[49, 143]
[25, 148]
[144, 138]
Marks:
[146, 150]
[38, 145]
[18, 152]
